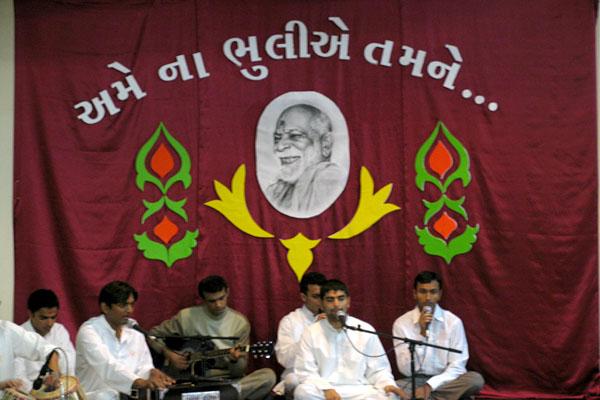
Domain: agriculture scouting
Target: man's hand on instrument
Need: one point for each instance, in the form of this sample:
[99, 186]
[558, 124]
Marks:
[157, 380]
[423, 392]
[178, 360]
[11, 384]
[52, 380]
[331, 394]
[235, 354]
[395, 389]
[161, 379]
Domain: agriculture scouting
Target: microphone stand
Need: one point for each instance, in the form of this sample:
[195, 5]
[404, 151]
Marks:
[411, 347]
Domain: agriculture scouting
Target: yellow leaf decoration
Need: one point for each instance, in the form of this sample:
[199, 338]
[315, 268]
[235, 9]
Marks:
[371, 207]
[232, 204]
[299, 255]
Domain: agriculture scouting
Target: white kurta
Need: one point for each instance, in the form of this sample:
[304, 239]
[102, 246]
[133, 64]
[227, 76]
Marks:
[107, 365]
[446, 330]
[58, 336]
[288, 337]
[17, 342]
[328, 359]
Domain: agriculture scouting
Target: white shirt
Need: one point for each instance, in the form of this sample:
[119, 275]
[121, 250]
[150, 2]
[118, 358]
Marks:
[288, 337]
[446, 330]
[107, 364]
[58, 336]
[327, 357]
[17, 342]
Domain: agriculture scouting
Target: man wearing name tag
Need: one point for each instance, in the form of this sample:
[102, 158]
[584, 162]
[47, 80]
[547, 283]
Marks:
[113, 358]
[439, 374]
[43, 309]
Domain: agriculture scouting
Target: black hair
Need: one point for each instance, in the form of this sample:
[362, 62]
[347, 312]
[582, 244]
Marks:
[211, 284]
[427, 277]
[334, 285]
[312, 278]
[42, 298]
[116, 292]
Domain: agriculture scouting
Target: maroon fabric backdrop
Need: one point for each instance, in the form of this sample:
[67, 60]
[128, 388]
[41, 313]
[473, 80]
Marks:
[527, 291]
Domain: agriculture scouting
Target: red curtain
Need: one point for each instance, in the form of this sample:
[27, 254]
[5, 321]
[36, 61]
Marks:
[512, 82]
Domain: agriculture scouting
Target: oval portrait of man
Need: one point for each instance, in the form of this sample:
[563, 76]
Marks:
[302, 153]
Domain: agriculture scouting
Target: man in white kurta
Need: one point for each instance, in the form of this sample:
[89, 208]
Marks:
[17, 342]
[107, 365]
[111, 357]
[330, 365]
[292, 326]
[439, 374]
[58, 336]
[43, 307]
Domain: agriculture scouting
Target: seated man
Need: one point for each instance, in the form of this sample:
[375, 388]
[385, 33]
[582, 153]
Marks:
[214, 318]
[439, 374]
[111, 357]
[334, 363]
[291, 327]
[43, 311]
[17, 342]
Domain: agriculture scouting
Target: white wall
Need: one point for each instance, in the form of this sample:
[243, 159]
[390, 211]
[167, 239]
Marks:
[7, 81]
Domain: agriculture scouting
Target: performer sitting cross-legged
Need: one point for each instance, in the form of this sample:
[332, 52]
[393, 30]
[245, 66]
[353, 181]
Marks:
[439, 374]
[111, 357]
[43, 309]
[17, 342]
[214, 318]
[334, 363]
[291, 327]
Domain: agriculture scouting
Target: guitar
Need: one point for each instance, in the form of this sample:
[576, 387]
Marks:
[258, 350]
[200, 361]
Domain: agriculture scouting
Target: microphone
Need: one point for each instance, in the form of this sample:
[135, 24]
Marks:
[37, 384]
[427, 309]
[341, 316]
[132, 323]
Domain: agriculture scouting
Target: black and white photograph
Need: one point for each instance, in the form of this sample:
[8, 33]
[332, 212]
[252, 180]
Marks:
[302, 153]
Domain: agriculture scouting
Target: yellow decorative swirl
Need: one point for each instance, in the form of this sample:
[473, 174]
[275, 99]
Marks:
[371, 207]
[232, 205]
[300, 255]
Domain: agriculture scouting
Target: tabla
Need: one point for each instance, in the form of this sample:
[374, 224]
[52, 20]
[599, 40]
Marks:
[69, 388]
[14, 394]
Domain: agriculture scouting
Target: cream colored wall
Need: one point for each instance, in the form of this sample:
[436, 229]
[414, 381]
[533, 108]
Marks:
[7, 75]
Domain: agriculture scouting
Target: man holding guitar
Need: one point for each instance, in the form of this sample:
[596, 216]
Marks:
[215, 319]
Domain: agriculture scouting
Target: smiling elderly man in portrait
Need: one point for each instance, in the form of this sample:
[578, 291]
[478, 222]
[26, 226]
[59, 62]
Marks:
[307, 179]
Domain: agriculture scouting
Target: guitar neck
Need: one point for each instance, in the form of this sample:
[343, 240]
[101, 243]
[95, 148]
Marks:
[216, 353]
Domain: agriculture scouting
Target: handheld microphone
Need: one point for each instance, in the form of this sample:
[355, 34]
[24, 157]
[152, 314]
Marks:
[341, 316]
[37, 384]
[427, 309]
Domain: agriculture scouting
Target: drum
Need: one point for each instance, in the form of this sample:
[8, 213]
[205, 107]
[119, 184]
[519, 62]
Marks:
[69, 388]
[14, 394]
